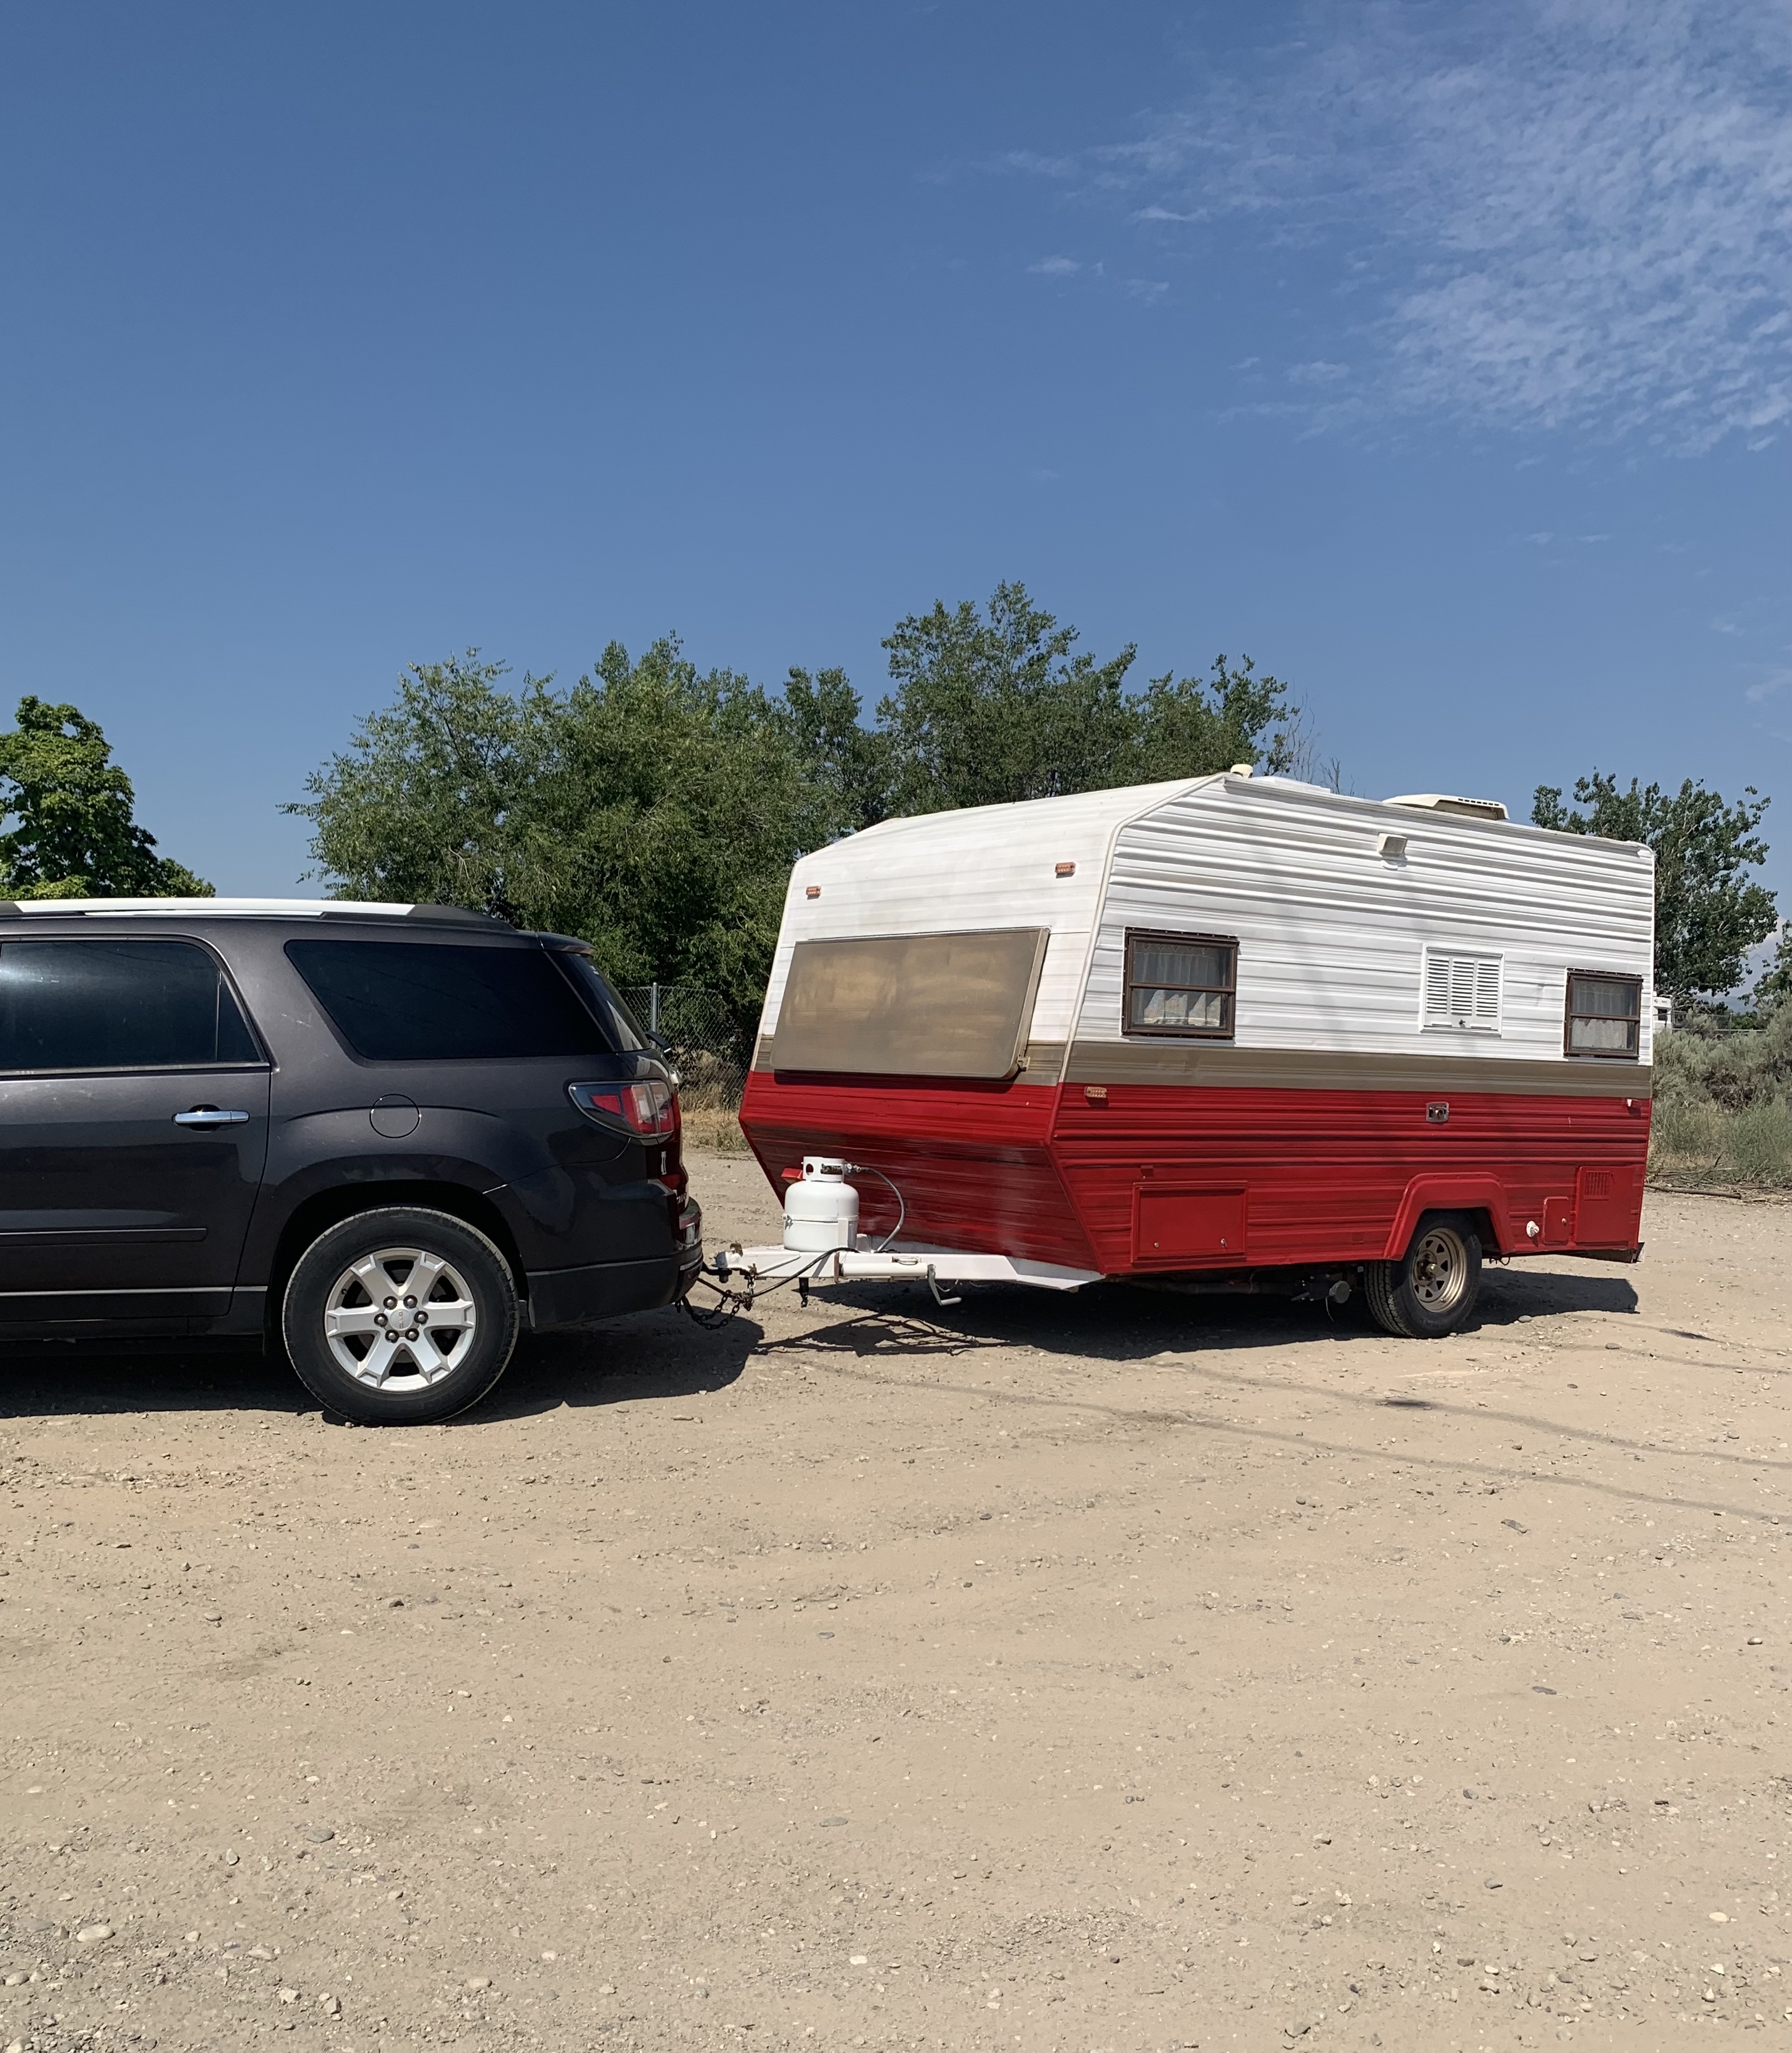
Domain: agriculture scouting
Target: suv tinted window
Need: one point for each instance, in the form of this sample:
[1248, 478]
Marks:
[624, 1029]
[424, 1001]
[117, 1005]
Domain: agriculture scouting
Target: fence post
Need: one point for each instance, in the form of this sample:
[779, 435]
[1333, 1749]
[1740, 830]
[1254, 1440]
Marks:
[653, 1008]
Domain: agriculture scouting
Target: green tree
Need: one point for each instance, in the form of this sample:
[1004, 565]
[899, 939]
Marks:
[650, 810]
[1191, 727]
[995, 707]
[988, 710]
[426, 804]
[1774, 986]
[74, 834]
[656, 812]
[1708, 913]
[850, 759]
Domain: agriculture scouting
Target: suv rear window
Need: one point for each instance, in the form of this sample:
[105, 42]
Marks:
[424, 1001]
[117, 1005]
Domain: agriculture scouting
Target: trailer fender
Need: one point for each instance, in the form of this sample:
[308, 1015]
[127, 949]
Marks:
[1450, 1193]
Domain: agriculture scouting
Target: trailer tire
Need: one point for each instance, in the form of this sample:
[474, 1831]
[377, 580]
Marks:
[1432, 1290]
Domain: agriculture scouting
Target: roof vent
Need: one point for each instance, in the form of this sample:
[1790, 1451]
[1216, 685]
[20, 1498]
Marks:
[1438, 802]
[1243, 770]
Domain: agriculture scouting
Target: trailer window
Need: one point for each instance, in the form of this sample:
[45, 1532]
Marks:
[911, 1005]
[1604, 1015]
[1183, 984]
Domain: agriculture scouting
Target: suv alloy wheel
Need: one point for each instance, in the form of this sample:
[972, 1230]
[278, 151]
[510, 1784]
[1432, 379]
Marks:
[400, 1315]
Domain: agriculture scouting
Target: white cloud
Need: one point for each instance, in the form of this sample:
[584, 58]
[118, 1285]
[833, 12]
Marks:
[1043, 167]
[1055, 267]
[1551, 213]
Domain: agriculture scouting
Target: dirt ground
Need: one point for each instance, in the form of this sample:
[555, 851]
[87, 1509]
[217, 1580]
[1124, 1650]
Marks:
[1118, 1671]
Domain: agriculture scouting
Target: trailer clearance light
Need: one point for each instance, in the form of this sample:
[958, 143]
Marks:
[648, 1110]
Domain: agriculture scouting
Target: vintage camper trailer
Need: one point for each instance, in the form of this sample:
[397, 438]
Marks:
[1232, 1030]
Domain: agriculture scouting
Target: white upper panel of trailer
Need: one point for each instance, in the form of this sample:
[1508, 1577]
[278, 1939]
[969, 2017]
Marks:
[986, 866]
[1333, 901]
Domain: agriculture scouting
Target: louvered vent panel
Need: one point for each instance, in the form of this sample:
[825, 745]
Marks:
[1462, 991]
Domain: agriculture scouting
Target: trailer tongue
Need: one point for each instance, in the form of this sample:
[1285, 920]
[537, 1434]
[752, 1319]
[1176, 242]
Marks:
[932, 1265]
[822, 1244]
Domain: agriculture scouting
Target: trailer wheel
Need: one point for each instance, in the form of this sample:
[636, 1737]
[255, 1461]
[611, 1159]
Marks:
[1432, 1290]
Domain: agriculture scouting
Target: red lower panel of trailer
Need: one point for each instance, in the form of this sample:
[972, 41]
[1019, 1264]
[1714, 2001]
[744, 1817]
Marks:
[1192, 1176]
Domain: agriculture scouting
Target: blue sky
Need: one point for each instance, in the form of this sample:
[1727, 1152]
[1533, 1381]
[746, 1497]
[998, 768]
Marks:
[1434, 355]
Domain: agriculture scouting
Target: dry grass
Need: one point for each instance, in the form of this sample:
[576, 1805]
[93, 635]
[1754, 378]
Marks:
[1722, 1111]
[715, 1128]
[1699, 1145]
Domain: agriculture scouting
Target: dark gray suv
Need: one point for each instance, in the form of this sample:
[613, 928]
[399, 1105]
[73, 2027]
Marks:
[384, 1137]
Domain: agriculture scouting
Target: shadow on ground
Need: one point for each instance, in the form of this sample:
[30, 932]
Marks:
[659, 1355]
[665, 1355]
[1126, 1322]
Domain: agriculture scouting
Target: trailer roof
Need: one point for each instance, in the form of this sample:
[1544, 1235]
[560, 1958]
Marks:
[1083, 812]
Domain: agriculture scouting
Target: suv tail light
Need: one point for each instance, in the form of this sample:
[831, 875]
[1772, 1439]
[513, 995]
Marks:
[648, 1110]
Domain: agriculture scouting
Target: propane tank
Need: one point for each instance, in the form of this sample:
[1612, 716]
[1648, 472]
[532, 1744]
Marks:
[822, 1210]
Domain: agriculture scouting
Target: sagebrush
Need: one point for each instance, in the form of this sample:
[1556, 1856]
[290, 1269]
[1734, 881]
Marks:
[1723, 1105]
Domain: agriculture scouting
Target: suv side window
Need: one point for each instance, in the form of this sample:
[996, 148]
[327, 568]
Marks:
[428, 1001]
[118, 1005]
[594, 986]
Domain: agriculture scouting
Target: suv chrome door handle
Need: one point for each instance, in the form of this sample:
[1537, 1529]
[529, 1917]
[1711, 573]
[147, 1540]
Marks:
[209, 1115]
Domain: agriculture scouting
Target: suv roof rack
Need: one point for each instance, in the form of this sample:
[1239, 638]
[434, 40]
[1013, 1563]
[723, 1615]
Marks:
[286, 908]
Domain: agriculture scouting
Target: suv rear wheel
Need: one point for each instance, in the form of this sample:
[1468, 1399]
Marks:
[1432, 1290]
[400, 1317]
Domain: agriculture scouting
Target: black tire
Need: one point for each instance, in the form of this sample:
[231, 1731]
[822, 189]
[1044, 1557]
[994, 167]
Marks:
[1432, 1290]
[347, 1297]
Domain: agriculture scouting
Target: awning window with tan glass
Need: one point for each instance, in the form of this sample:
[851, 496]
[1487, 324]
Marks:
[911, 1005]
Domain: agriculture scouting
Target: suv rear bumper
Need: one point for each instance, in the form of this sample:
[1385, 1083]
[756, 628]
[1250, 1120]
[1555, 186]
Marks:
[599, 1290]
[607, 1289]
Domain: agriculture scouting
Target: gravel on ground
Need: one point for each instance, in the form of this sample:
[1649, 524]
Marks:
[1126, 1670]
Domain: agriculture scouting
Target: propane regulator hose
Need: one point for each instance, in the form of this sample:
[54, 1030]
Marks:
[902, 1207]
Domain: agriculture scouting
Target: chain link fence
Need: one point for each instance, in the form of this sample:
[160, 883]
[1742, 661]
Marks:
[708, 1050]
